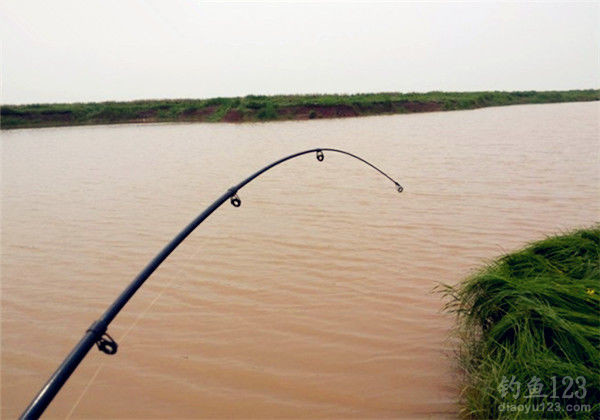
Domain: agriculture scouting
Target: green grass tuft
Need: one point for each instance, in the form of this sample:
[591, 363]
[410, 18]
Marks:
[532, 314]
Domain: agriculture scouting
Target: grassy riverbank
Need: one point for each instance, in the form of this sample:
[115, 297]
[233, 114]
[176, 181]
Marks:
[270, 108]
[533, 314]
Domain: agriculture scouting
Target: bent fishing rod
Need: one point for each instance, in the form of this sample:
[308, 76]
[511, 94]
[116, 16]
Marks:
[97, 333]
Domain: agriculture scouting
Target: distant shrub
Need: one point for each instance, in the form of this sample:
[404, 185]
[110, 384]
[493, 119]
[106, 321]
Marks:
[268, 112]
[217, 101]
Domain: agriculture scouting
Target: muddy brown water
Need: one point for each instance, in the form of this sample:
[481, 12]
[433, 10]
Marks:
[313, 299]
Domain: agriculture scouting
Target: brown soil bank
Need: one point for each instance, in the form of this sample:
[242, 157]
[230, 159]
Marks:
[272, 108]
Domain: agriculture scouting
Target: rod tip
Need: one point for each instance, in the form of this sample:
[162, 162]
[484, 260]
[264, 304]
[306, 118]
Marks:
[399, 187]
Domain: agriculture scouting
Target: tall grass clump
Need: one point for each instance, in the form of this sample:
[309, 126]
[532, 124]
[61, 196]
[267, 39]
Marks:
[529, 330]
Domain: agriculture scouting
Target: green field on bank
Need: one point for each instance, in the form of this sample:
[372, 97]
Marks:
[271, 108]
[529, 328]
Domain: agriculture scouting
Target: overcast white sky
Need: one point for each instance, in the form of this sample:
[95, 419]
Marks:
[74, 50]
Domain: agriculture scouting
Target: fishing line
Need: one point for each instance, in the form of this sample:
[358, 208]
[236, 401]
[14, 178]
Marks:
[133, 324]
[97, 333]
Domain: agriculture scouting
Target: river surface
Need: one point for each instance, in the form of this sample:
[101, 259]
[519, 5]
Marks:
[314, 298]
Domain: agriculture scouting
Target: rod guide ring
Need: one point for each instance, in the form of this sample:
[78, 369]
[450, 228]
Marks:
[235, 201]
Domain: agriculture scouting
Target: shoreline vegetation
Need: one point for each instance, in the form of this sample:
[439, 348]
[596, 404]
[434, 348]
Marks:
[253, 108]
[529, 323]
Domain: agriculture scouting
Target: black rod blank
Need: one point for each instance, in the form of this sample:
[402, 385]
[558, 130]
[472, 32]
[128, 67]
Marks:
[96, 333]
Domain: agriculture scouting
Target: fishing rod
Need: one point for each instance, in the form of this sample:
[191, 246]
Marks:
[97, 333]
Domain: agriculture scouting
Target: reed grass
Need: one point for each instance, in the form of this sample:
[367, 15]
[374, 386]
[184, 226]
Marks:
[531, 314]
